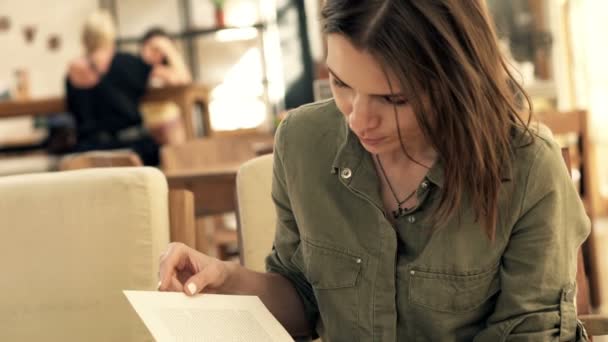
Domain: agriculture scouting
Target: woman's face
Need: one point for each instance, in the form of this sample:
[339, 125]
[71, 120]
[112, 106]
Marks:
[362, 93]
[151, 53]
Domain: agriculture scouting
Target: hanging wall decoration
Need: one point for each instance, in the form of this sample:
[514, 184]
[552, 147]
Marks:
[5, 23]
[54, 42]
[29, 32]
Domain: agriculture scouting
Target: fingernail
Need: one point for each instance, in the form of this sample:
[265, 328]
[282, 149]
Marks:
[159, 284]
[192, 288]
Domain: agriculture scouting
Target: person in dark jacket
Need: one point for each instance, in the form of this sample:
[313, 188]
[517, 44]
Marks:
[103, 90]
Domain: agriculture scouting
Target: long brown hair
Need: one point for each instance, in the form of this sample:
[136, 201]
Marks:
[467, 103]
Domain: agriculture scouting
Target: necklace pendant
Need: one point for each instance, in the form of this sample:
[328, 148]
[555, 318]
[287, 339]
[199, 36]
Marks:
[398, 213]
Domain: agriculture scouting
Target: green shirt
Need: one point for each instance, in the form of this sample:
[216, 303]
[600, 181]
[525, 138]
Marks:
[363, 279]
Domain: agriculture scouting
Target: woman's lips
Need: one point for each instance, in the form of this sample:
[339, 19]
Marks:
[371, 141]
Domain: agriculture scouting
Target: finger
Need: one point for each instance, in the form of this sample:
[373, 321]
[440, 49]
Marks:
[200, 281]
[176, 285]
[195, 284]
[168, 265]
[168, 251]
[173, 285]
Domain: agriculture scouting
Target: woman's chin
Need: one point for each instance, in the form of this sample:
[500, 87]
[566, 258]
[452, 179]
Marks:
[375, 148]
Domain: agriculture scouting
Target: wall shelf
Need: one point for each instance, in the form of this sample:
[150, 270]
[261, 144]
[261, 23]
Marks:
[196, 32]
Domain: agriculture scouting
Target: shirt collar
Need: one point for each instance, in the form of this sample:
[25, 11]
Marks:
[350, 155]
[349, 152]
[436, 174]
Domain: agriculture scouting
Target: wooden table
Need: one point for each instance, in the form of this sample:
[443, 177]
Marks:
[185, 97]
[214, 189]
[214, 186]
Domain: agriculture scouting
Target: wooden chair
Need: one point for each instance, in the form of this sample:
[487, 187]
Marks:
[189, 99]
[208, 168]
[181, 202]
[595, 325]
[95, 159]
[572, 130]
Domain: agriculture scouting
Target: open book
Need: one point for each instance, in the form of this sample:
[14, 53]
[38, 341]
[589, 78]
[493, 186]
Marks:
[172, 316]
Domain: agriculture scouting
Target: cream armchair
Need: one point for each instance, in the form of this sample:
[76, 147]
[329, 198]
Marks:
[256, 214]
[71, 242]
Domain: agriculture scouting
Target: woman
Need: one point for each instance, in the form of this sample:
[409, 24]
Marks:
[417, 204]
[162, 118]
[158, 50]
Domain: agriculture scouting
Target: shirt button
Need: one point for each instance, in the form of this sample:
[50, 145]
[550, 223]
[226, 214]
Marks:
[358, 261]
[346, 173]
[411, 219]
[412, 272]
[424, 185]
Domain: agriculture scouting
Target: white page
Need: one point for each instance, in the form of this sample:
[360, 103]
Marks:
[173, 316]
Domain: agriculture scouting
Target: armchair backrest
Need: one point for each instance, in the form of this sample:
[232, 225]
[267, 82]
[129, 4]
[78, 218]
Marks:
[71, 242]
[256, 214]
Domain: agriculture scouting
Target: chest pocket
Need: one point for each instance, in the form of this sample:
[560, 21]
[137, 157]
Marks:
[452, 293]
[327, 268]
[335, 276]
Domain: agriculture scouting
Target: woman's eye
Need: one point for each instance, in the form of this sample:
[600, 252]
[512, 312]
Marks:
[396, 101]
[338, 83]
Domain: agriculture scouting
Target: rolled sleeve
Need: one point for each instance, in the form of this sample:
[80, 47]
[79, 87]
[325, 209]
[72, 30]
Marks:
[538, 269]
[287, 236]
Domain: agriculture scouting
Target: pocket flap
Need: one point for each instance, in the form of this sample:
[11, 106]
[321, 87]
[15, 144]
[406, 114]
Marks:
[326, 267]
[452, 292]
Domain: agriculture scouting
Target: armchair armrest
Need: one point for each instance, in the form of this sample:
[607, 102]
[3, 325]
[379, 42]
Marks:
[596, 325]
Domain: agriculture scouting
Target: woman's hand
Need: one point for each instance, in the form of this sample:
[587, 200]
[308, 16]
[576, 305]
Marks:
[81, 75]
[175, 72]
[185, 269]
[163, 45]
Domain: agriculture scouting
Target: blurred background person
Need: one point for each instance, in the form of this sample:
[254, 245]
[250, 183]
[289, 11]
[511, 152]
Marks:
[163, 118]
[158, 50]
[104, 88]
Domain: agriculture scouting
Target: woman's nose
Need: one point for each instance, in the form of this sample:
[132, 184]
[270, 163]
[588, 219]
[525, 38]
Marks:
[362, 118]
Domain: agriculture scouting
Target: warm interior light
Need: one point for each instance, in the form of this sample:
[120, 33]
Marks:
[236, 34]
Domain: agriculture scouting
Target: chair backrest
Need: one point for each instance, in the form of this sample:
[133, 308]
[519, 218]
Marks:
[181, 201]
[573, 129]
[583, 304]
[256, 215]
[71, 242]
[95, 159]
[220, 149]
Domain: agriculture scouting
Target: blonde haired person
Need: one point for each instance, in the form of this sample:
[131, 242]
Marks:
[98, 32]
[98, 36]
[103, 91]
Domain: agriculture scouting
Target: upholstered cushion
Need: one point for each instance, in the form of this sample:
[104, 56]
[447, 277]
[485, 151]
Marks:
[256, 213]
[27, 164]
[71, 242]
